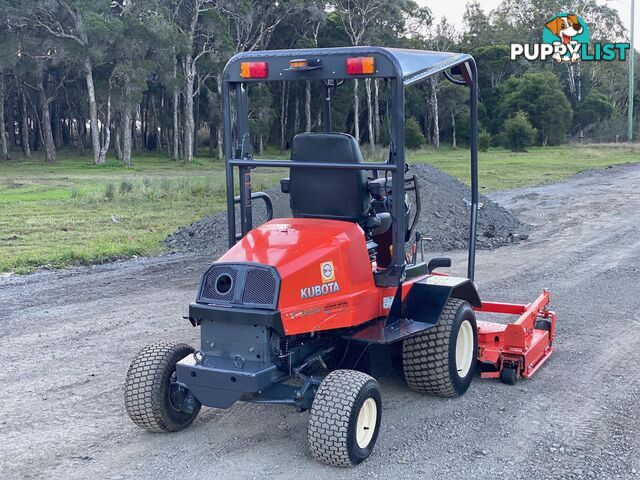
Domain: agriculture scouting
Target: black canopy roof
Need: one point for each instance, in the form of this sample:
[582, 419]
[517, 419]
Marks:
[409, 65]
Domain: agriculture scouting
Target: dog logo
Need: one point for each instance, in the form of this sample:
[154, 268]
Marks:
[566, 29]
[565, 38]
[327, 272]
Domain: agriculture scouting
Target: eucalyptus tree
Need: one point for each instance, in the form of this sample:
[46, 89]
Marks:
[36, 53]
[139, 30]
[4, 149]
[70, 23]
[7, 64]
[199, 23]
[364, 21]
[440, 37]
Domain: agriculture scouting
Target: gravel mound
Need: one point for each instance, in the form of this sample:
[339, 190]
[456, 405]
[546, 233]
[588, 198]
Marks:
[445, 218]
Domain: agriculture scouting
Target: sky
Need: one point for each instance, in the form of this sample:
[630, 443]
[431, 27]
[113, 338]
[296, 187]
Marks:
[454, 11]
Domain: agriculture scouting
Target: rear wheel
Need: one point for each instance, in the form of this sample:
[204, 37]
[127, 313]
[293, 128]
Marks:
[442, 359]
[149, 398]
[345, 418]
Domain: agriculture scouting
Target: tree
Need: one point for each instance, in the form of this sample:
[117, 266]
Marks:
[199, 22]
[4, 149]
[413, 137]
[454, 99]
[7, 62]
[518, 133]
[539, 96]
[261, 114]
[66, 21]
[478, 30]
[484, 140]
[358, 18]
[36, 51]
[595, 108]
[439, 38]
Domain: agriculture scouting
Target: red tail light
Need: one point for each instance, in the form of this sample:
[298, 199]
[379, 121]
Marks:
[254, 70]
[361, 65]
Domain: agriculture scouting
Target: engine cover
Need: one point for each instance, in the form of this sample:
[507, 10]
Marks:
[326, 280]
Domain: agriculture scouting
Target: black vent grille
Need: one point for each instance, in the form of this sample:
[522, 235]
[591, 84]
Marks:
[251, 285]
[209, 290]
[260, 287]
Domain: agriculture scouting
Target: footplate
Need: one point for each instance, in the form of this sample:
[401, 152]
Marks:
[523, 345]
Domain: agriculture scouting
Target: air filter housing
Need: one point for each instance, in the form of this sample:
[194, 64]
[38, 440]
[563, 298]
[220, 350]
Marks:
[247, 284]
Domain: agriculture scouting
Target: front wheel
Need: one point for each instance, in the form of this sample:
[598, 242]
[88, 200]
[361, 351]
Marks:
[442, 359]
[345, 418]
[149, 398]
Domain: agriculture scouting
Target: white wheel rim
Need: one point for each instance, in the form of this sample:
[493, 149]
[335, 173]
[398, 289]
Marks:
[366, 424]
[464, 348]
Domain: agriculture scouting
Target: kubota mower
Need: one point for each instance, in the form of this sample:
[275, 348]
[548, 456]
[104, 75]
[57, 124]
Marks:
[305, 311]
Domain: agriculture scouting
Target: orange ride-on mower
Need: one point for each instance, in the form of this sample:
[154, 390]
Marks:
[302, 311]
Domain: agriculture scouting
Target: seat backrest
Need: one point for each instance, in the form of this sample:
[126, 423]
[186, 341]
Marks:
[328, 193]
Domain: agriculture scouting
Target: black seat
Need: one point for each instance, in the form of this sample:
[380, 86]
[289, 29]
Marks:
[328, 193]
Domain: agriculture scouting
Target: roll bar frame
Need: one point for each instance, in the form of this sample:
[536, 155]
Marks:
[334, 59]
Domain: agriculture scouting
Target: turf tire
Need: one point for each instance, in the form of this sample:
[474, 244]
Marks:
[333, 420]
[429, 358]
[146, 391]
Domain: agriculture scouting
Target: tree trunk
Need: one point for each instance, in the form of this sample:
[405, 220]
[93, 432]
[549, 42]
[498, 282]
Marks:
[93, 110]
[296, 115]
[117, 141]
[453, 130]
[376, 109]
[284, 104]
[356, 111]
[82, 131]
[434, 109]
[189, 124]
[212, 138]
[134, 129]
[219, 139]
[24, 121]
[57, 124]
[307, 106]
[372, 140]
[196, 123]
[12, 122]
[176, 104]
[104, 148]
[4, 150]
[126, 124]
[74, 125]
[45, 120]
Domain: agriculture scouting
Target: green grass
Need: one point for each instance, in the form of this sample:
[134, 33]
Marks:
[501, 169]
[73, 212]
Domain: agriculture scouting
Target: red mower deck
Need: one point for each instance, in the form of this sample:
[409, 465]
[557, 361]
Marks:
[523, 345]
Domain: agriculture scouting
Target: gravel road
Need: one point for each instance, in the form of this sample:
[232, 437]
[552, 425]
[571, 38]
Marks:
[68, 337]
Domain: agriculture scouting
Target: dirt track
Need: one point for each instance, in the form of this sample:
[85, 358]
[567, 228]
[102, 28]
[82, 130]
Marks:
[68, 337]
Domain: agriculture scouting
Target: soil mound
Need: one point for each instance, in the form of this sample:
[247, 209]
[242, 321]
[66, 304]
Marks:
[444, 219]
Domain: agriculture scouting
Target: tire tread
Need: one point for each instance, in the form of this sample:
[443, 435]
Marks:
[144, 386]
[330, 415]
[425, 356]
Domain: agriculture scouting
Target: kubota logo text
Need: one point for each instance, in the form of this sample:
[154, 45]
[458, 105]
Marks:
[565, 38]
[319, 290]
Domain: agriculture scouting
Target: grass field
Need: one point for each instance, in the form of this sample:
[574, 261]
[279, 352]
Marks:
[74, 212]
